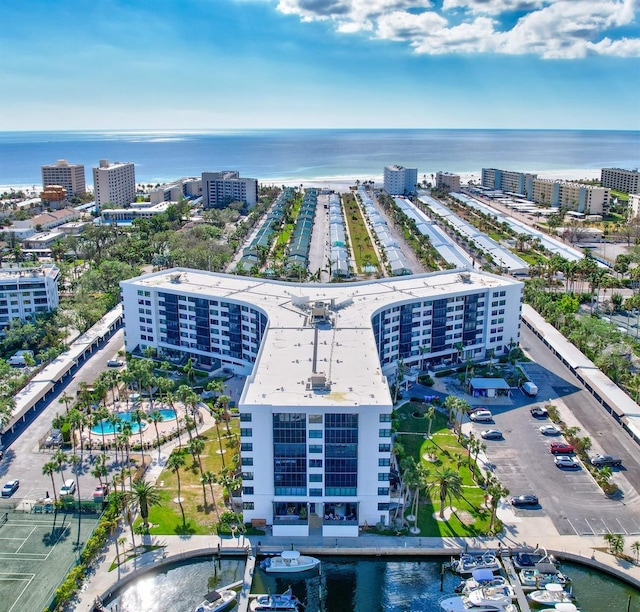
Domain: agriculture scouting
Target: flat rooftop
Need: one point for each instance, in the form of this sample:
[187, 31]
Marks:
[319, 348]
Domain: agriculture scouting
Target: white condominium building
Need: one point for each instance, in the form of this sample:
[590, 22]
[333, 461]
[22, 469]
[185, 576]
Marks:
[316, 408]
[219, 189]
[69, 176]
[447, 180]
[27, 291]
[114, 183]
[621, 180]
[586, 199]
[399, 180]
[508, 181]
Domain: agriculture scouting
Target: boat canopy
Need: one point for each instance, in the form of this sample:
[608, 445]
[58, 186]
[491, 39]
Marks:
[290, 555]
[566, 607]
[554, 587]
[212, 596]
[482, 575]
[546, 568]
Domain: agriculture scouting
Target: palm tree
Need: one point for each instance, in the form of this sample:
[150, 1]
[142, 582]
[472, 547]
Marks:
[229, 482]
[139, 417]
[145, 495]
[48, 469]
[209, 478]
[156, 417]
[171, 400]
[100, 469]
[496, 491]
[449, 484]
[223, 403]
[65, 399]
[635, 547]
[174, 463]
[76, 462]
[430, 414]
[615, 541]
[195, 447]
[59, 458]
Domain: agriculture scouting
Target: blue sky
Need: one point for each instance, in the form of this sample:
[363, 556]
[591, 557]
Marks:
[220, 64]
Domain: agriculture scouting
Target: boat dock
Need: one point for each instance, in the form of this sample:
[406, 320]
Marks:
[512, 577]
[244, 597]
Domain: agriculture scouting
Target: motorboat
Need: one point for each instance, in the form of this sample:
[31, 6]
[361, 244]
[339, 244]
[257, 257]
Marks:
[467, 562]
[528, 560]
[289, 561]
[480, 577]
[552, 593]
[285, 601]
[541, 575]
[482, 599]
[562, 607]
[216, 601]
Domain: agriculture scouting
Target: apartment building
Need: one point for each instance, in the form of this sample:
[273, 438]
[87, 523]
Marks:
[520, 183]
[187, 188]
[315, 411]
[219, 189]
[620, 180]
[64, 174]
[448, 181]
[27, 291]
[114, 183]
[399, 180]
[634, 205]
[586, 199]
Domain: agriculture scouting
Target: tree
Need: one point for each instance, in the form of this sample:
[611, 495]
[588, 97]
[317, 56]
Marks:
[209, 478]
[59, 458]
[139, 417]
[449, 484]
[635, 547]
[76, 462]
[174, 463]
[496, 491]
[145, 495]
[615, 542]
[48, 469]
[156, 417]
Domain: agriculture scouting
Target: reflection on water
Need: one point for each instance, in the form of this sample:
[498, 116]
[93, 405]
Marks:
[349, 584]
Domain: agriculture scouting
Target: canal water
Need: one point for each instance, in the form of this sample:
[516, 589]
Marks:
[348, 584]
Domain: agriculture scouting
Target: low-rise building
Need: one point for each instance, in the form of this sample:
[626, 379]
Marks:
[27, 291]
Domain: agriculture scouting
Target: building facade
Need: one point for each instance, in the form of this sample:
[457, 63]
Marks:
[620, 180]
[114, 183]
[316, 408]
[25, 292]
[187, 188]
[634, 205]
[399, 180]
[586, 199]
[64, 174]
[448, 181]
[219, 189]
[520, 183]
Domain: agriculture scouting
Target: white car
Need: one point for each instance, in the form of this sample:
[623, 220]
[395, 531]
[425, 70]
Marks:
[567, 463]
[550, 430]
[481, 415]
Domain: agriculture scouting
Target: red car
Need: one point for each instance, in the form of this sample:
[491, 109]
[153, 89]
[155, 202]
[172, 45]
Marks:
[560, 448]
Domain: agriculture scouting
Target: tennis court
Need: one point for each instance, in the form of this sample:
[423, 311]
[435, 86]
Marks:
[36, 552]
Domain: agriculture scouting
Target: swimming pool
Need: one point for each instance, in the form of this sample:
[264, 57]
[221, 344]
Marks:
[106, 427]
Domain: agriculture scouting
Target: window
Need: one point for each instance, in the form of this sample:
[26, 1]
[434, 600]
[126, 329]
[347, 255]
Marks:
[247, 490]
[249, 461]
[246, 447]
[315, 419]
[384, 448]
[315, 463]
[385, 418]
[315, 477]
[245, 417]
[315, 433]
[383, 506]
[247, 475]
[315, 492]
[383, 476]
[383, 490]
[315, 448]
[247, 505]
[384, 462]
[246, 433]
[384, 433]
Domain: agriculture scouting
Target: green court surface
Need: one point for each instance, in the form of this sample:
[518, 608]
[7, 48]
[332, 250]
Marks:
[36, 552]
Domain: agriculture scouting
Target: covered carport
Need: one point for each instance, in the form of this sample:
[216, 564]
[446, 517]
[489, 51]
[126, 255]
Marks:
[489, 387]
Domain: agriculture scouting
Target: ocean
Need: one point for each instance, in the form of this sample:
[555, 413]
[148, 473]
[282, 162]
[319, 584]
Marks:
[289, 155]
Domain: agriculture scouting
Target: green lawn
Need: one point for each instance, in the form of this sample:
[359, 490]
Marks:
[470, 517]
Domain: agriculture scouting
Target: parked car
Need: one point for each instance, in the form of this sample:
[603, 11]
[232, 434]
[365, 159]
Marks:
[524, 500]
[100, 492]
[539, 412]
[10, 488]
[550, 430]
[491, 434]
[567, 463]
[605, 460]
[115, 363]
[481, 416]
[560, 448]
[69, 487]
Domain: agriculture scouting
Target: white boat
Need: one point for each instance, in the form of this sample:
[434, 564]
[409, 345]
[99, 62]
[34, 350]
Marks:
[562, 607]
[285, 601]
[541, 575]
[216, 601]
[467, 563]
[289, 561]
[551, 594]
[482, 599]
[480, 577]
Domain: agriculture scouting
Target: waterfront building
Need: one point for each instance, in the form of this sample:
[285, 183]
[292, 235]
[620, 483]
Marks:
[634, 205]
[316, 407]
[448, 181]
[27, 291]
[187, 188]
[399, 180]
[114, 183]
[219, 189]
[520, 183]
[64, 174]
[578, 197]
[621, 180]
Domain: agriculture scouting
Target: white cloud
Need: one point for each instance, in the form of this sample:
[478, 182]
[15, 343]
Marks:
[549, 28]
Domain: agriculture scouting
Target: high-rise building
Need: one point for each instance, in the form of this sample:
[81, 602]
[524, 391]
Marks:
[520, 183]
[25, 292]
[219, 189]
[621, 180]
[114, 183]
[448, 181]
[399, 180]
[315, 412]
[64, 174]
